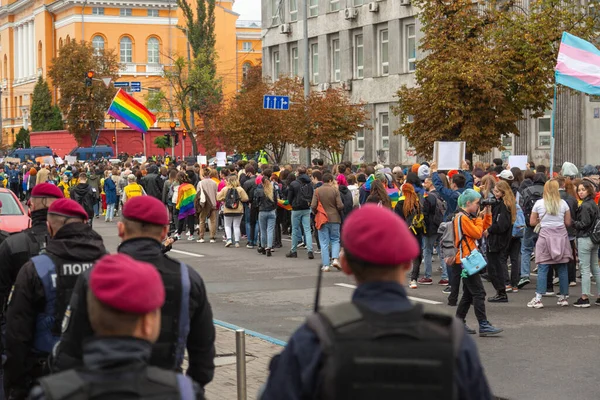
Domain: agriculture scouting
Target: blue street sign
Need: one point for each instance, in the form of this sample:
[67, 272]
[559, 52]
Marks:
[276, 102]
[136, 86]
[121, 84]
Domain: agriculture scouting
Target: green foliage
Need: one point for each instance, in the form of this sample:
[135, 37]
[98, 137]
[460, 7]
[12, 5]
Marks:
[486, 64]
[162, 143]
[43, 114]
[22, 139]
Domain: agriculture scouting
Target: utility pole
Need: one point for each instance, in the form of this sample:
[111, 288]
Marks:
[306, 68]
[189, 56]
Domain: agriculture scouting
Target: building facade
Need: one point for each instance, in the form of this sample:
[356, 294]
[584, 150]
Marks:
[248, 48]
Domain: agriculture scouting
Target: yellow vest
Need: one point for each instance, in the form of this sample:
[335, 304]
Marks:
[133, 190]
[65, 188]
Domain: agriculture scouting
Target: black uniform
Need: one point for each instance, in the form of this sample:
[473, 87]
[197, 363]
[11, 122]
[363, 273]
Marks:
[29, 338]
[116, 368]
[201, 337]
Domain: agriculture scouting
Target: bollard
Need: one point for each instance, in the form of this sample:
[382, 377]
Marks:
[240, 352]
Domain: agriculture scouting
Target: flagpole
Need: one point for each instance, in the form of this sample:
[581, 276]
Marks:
[553, 122]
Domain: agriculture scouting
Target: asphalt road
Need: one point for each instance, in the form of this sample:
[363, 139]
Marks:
[546, 354]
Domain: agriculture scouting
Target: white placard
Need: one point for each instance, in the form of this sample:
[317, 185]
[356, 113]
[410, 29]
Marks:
[48, 160]
[59, 161]
[202, 161]
[114, 160]
[518, 161]
[449, 155]
[71, 159]
[221, 158]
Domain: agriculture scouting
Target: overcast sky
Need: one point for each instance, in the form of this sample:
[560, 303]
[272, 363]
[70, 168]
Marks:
[249, 9]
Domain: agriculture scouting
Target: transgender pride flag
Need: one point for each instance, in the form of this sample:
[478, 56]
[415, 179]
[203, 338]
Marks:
[578, 65]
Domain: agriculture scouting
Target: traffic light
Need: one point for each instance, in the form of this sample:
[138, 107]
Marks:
[114, 139]
[184, 134]
[176, 139]
[88, 78]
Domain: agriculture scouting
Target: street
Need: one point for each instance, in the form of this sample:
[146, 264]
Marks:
[548, 353]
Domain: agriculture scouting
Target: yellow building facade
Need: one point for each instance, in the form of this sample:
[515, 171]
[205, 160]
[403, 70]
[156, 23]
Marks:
[249, 48]
[144, 34]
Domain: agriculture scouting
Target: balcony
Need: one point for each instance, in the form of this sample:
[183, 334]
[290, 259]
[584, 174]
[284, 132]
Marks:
[133, 69]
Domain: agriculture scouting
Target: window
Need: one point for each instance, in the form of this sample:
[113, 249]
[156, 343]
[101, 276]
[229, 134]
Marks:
[275, 65]
[294, 61]
[335, 60]
[334, 5]
[245, 68]
[97, 10]
[246, 46]
[126, 50]
[275, 4]
[293, 10]
[507, 141]
[98, 44]
[411, 47]
[358, 2]
[314, 57]
[313, 8]
[384, 130]
[545, 129]
[360, 139]
[152, 12]
[125, 12]
[153, 51]
[383, 52]
[359, 61]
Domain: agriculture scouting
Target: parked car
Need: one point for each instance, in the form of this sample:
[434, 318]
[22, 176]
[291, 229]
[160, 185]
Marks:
[13, 217]
[31, 153]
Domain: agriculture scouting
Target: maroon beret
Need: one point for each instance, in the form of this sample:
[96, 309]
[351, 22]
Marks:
[68, 208]
[47, 190]
[127, 285]
[146, 209]
[378, 236]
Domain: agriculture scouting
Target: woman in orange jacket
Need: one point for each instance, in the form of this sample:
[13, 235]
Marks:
[473, 224]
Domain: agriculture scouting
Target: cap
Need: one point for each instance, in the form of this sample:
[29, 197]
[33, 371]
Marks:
[146, 209]
[378, 236]
[507, 175]
[451, 173]
[569, 169]
[68, 208]
[423, 172]
[47, 190]
[127, 285]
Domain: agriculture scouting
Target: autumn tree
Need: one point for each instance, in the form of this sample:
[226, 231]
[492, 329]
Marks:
[485, 65]
[84, 107]
[44, 116]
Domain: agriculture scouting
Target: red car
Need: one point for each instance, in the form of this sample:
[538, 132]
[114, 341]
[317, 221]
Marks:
[13, 217]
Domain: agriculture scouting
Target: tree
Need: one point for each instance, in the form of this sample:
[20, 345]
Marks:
[485, 66]
[22, 139]
[44, 116]
[162, 143]
[84, 107]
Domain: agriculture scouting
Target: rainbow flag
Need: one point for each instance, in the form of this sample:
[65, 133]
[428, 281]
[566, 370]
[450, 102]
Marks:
[369, 181]
[185, 200]
[394, 196]
[284, 204]
[131, 112]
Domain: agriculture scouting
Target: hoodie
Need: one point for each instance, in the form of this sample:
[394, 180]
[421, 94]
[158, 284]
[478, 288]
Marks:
[84, 194]
[294, 193]
[449, 195]
[94, 182]
[347, 201]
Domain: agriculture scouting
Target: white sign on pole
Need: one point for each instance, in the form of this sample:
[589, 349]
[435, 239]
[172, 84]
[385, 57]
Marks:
[71, 159]
[48, 160]
[221, 159]
[202, 160]
[518, 161]
[449, 155]
[59, 161]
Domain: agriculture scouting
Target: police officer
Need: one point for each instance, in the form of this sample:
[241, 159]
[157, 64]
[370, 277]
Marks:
[186, 314]
[385, 346]
[42, 292]
[123, 305]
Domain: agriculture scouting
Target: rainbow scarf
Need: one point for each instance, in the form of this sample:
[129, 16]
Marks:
[185, 200]
[131, 112]
[394, 196]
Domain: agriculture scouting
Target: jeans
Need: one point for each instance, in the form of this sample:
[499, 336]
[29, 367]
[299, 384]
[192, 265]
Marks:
[110, 211]
[428, 244]
[96, 209]
[563, 277]
[473, 293]
[588, 264]
[527, 247]
[251, 233]
[329, 236]
[236, 220]
[301, 221]
[267, 220]
[514, 252]
[416, 269]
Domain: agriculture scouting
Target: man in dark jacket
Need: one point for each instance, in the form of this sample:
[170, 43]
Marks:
[152, 182]
[299, 192]
[186, 316]
[459, 183]
[250, 213]
[86, 196]
[536, 191]
[42, 292]
[94, 182]
[498, 240]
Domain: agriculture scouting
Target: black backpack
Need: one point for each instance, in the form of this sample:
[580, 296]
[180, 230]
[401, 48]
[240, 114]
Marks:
[528, 204]
[306, 193]
[232, 199]
[440, 210]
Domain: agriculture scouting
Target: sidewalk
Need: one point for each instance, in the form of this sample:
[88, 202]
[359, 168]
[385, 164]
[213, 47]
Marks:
[258, 356]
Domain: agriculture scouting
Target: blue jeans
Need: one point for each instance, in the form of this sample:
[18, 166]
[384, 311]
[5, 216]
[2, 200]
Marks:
[110, 211]
[301, 220]
[428, 243]
[96, 209]
[267, 228]
[251, 240]
[588, 264]
[527, 247]
[563, 277]
[329, 236]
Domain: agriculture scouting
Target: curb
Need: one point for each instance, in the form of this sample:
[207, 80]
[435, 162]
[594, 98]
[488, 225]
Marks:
[257, 335]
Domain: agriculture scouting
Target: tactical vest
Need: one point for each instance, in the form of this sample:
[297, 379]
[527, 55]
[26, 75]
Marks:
[401, 355]
[58, 286]
[158, 384]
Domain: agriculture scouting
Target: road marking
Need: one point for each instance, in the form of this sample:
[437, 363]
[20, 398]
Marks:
[417, 299]
[186, 253]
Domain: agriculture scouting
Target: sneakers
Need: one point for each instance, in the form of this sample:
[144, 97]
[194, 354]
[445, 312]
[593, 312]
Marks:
[566, 296]
[261, 250]
[425, 281]
[201, 240]
[562, 302]
[514, 289]
[535, 303]
[443, 282]
[213, 241]
[268, 251]
[523, 282]
[413, 284]
[487, 329]
[325, 268]
[549, 294]
[582, 303]
[469, 330]
[572, 284]
[237, 245]
[228, 243]
[447, 290]
[597, 301]
[248, 246]
[290, 254]
[508, 289]
[301, 245]
[311, 255]
[555, 281]
[191, 237]
[452, 303]
[498, 299]
[336, 264]
[318, 251]
[177, 236]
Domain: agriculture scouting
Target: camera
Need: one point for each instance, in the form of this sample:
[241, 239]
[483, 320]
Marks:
[489, 201]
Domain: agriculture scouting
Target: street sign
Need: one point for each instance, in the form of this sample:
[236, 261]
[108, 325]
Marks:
[136, 86]
[276, 102]
[121, 84]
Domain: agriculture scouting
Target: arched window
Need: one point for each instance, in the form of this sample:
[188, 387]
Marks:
[5, 74]
[245, 68]
[126, 49]
[39, 57]
[68, 39]
[153, 51]
[98, 44]
[60, 43]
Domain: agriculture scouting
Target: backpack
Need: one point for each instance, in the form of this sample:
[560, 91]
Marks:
[448, 248]
[306, 194]
[416, 219]
[519, 226]
[440, 210]
[232, 199]
[528, 204]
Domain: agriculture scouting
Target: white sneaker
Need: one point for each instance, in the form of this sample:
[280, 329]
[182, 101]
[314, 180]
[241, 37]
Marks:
[413, 285]
[201, 240]
[189, 234]
[228, 243]
[325, 268]
[237, 245]
[191, 237]
[213, 241]
[562, 302]
[535, 303]
[336, 264]
[177, 236]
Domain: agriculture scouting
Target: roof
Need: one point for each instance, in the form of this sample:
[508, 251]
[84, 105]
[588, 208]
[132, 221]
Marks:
[247, 24]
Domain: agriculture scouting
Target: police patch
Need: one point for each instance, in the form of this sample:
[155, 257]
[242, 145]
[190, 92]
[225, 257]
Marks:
[66, 320]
